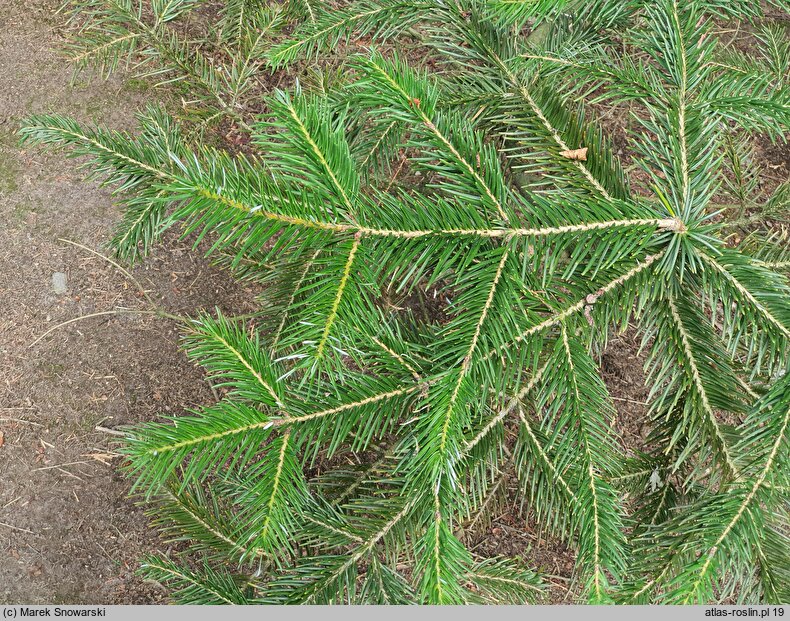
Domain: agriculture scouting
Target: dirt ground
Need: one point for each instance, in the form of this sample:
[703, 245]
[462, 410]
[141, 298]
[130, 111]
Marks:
[68, 531]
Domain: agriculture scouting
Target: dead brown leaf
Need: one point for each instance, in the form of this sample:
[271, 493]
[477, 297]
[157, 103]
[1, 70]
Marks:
[577, 155]
[104, 458]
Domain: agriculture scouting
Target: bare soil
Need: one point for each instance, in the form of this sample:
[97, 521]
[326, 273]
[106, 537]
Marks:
[69, 533]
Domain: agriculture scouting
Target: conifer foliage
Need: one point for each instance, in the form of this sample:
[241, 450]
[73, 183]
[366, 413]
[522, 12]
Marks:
[446, 245]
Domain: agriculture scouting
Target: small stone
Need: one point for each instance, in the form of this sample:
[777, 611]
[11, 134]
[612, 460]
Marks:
[59, 283]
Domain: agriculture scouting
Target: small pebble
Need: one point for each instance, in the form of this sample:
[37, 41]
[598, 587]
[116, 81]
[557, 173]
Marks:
[59, 283]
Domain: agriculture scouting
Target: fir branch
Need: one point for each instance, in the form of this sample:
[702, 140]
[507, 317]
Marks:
[692, 369]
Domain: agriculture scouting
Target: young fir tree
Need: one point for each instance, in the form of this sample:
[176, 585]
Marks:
[447, 246]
